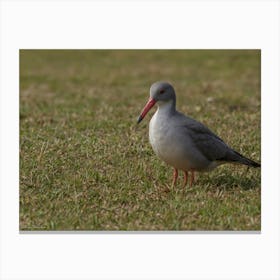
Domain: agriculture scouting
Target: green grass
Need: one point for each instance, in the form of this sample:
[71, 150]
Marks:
[86, 165]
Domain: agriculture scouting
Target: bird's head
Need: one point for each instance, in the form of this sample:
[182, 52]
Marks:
[160, 92]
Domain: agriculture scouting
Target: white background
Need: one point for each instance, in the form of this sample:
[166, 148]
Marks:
[146, 24]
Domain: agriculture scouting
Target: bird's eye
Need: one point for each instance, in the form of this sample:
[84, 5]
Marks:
[161, 91]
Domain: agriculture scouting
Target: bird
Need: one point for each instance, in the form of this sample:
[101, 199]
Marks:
[183, 142]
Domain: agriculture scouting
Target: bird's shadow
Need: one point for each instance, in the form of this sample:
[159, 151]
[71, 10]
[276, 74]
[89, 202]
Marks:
[231, 182]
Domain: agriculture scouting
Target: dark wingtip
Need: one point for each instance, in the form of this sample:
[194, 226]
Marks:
[255, 164]
[237, 157]
[250, 162]
[139, 119]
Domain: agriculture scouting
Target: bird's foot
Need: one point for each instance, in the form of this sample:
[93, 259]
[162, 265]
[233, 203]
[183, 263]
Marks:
[185, 179]
[192, 178]
[175, 176]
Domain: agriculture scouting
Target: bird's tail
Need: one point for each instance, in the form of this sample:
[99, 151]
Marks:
[246, 161]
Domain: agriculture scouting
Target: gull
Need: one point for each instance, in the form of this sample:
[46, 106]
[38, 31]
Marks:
[182, 142]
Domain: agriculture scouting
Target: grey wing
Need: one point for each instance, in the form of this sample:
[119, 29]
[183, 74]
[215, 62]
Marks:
[209, 144]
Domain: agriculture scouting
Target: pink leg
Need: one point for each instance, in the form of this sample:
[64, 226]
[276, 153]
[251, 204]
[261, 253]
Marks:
[192, 177]
[175, 176]
[185, 178]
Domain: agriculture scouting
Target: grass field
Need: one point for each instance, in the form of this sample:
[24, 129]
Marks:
[86, 165]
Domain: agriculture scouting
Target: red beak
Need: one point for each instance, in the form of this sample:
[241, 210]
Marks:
[151, 102]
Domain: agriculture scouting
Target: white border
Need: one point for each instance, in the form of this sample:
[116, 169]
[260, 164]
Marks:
[155, 24]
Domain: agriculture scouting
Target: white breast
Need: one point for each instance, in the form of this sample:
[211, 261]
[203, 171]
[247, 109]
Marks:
[172, 144]
[166, 144]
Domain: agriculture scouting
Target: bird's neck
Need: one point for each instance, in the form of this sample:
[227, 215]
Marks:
[166, 107]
